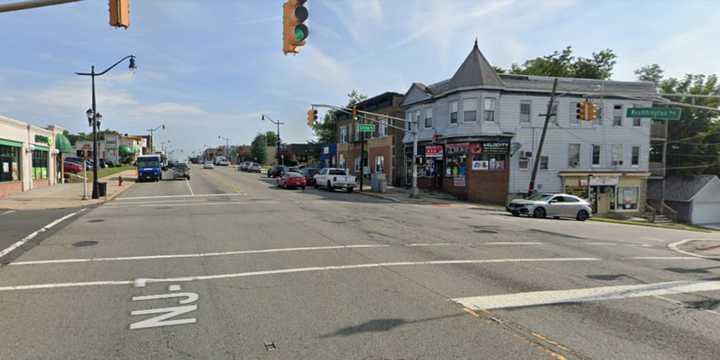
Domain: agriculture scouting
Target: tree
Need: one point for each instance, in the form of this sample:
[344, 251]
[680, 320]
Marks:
[325, 131]
[694, 140]
[258, 149]
[271, 138]
[564, 64]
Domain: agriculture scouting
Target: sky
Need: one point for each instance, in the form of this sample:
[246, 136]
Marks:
[210, 68]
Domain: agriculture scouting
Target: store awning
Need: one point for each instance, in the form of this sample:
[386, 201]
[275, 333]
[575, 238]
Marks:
[10, 143]
[125, 150]
[63, 144]
[137, 149]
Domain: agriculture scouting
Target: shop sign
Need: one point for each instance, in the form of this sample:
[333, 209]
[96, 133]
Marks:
[40, 139]
[480, 165]
[459, 181]
[434, 151]
[476, 148]
[495, 148]
[459, 148]
[604, 180]
[326, 149]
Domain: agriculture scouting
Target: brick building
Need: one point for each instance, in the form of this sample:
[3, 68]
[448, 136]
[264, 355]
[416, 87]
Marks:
[383, 147]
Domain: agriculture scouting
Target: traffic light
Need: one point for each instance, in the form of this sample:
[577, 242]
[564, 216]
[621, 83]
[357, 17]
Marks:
[294, 31]
[120, 13]
[354, 113]
[580, 111]
[312, 116]
[592, 111]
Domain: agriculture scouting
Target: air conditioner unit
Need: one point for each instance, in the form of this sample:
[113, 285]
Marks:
[526, 154]
[574, 164]
[617, 163]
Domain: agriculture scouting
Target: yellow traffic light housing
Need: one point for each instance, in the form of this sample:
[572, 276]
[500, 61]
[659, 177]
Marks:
[312, 116]
[354, 113]
[592, 112]
[120, 13]
[294, 31]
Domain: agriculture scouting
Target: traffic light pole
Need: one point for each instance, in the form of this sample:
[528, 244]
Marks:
[548, 115]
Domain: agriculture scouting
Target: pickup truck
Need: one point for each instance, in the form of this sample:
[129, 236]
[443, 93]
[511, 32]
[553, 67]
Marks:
[334, 178]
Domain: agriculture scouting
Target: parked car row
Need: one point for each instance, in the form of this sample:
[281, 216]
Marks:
[249, 166]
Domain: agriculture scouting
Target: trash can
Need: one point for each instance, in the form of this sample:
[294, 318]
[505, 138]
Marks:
[381, 183]
[102, 189]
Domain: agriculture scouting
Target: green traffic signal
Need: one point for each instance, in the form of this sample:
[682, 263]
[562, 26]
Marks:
[301, 32]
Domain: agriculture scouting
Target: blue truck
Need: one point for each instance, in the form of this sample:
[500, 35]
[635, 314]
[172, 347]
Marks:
[149, 168]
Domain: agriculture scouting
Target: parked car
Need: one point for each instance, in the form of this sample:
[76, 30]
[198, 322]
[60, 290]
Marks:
[335, 178]
[309, 173]
[292, 180]
[276, 171]
[254, 167]
[243, 166]
[181, 171]
[208, 165]
[72, 167]
[551, 205]
[222, 162]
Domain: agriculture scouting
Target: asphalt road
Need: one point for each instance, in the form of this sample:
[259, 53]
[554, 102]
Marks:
[227, 266]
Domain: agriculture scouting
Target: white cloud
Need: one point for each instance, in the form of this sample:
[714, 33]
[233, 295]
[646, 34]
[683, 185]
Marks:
[168, 108]
[361, 19]
[77, 93]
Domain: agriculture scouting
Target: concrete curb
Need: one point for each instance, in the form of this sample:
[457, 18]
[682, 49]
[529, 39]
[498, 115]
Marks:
[379, 196]
[675, 247]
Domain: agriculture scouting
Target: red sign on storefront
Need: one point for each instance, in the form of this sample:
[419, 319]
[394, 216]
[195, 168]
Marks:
[434, 151]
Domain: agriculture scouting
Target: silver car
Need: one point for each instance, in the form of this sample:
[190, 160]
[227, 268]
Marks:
[551, 205]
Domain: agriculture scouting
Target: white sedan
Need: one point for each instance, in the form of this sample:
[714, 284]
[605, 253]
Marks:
[208, 165]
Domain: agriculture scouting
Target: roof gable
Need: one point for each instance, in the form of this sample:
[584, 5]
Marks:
[475, 71]
[417, 93]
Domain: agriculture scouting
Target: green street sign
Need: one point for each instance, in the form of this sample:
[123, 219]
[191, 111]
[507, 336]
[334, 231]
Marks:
[655, 113]
[368, 128]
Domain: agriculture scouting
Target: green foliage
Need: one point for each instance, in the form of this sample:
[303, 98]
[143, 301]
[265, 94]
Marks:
[258, 150]
[650, 73]
[564, 64]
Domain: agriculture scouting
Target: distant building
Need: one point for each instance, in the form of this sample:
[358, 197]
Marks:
[696, 199]
[479, 133]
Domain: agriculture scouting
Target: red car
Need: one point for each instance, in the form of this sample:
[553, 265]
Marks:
[292, 180]
[72, 167]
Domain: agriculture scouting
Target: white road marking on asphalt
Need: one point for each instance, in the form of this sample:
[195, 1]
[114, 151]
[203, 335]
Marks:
[196, 255]
[159, 202]
[664, 258]
[289, 271]
[585, 295]
[513, 243]
[674, 247]
[429, 244]
[7, 212]
[168, 312]
[602, 243]
[176, 196]
[35, 233]
[187, 182]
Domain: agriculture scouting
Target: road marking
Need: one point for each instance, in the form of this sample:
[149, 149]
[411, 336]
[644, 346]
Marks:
[7, 212]
[159, 202]
[287, 271]
[212, 203]
[187, 182]
[513, 243]
[674, 247]
[602, 243]
[585, 295]
[168, 312]
[176, 196]
[664, 258]
[429, 244]
[35, 233]
[196, 255]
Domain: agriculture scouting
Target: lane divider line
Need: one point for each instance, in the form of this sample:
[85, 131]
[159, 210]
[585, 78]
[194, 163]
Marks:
[45, 228]
[187, 182]
[285, 271]
[176, 196]
[7, 212]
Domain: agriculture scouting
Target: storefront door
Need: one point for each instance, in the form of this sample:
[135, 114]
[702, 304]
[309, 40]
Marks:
[603, 199]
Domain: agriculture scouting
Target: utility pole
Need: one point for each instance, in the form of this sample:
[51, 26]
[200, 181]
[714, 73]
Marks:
[548, 115]
[278, 123]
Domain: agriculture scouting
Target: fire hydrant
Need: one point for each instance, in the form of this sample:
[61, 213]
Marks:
[120, 180]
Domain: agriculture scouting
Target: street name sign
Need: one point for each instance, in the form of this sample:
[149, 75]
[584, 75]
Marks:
[655, 113]
[367, 128]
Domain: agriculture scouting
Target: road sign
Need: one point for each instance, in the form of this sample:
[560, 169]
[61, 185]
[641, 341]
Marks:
[368, 128]
[655, 113]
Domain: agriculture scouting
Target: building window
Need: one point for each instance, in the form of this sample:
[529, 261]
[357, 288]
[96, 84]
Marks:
[617, 115]
[627, 198]
[635, 161]
[574, 155]
[344, 139]
[524, 163]
[489, 109]
[9, 163]
[383, 128]
[525, 106]
[469, 110]
[418, 114]
[596, 155]
[637, 122]
[356, 133]
[379, 164]
[341, 162]
[600, 113]
[573, 114]
[357, 165]
[40, 164]
[428, 118]
[617, 155]
[454, 112]
[544, 162]
[408, 123]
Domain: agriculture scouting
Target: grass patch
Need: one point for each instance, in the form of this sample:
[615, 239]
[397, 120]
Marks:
[109, 171]
[674, 226]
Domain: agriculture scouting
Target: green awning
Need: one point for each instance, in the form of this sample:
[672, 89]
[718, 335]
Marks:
[125, 150]
[137, 149]
[63, 144]
[10, 143]
[41, 147]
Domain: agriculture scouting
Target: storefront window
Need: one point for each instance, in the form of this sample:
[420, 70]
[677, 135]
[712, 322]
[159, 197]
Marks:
[627, 198]
[491, 162]
[40, 164]
[9, 163]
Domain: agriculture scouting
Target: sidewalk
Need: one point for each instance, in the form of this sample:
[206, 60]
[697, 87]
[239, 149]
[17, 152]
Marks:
[66, 195]
[402, 195]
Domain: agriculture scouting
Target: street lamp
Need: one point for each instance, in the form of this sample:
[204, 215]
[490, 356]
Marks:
[152, 132]
[226, 151]
[278, 123]
[94, 118]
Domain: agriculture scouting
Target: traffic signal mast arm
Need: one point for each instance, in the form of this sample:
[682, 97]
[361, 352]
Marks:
[364, 115]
